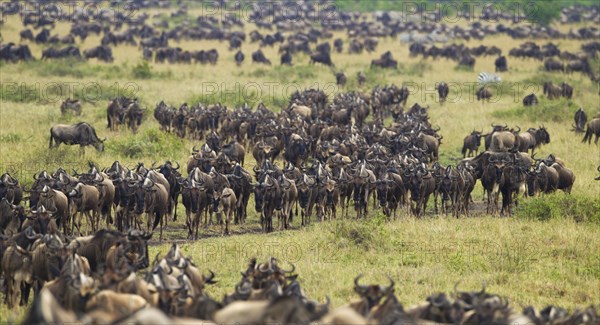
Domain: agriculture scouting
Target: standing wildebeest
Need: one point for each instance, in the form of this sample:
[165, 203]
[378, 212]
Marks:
[338, 44]
[85, 199]
[71, 104]
[502, 141]
[593, 128]
[501, 64]
[115, 113]
[533, 138]
[580, 120]
[554, 65]
[530, 100]
[340, 78]
[361, 78]
[81, 133]
[483, 94]
[239, 57]
[566, 90]
[471, 143]
[443, 90]
[551, 90]
[286, 58]
[227, 201]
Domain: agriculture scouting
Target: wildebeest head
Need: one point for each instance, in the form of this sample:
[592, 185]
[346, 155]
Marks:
[373, 293]
[136, 249]
[44, 219]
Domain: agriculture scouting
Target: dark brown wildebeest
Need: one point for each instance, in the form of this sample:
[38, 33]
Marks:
[580, 121]
[100, 52]
[71, 104]
[259, 57]
[134, 115]
[554, 65]
[340, 78]
[16, 268]
[286, 58]
[502, 141]
[385, 61]
[443, 90]
[361, 78]
[239, 57]
[484, 94]
[551, 90]
[501, 64]
[471, 144]
[566, 178]
[338, 44]
[566, 90]
[85, 199]
[115, 113]
[321, 57]
[81, 133]
[593, 129]
[530, 100]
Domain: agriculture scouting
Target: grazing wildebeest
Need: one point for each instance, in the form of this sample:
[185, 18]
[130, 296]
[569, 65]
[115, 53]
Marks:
[484, 94]
[501, 64]
[81, 133]
[593, 128]
[530, 100]
[580, 120]
[259, 57]
[321, 57]
[471, 144]
[443, 90]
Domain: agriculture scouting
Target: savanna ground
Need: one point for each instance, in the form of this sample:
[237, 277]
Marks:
[547, 253]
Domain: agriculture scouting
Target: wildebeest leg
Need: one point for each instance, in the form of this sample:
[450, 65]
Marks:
[25, 291]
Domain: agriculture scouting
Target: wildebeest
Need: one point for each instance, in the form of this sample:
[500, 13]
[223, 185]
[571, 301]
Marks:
[471, 144]
[533, 138]
[340, 78]
[530, 100]
[71, 104]
[286, 58]
[443, 90]
[553, 65]
[100, 52]
[361, 78]
[239, 57]
[385, 61]
[593, 129]
[227, 201]
[81, 133]
[484, 94]
[502, 141]
[566, 90]
[580, 120]
[321, 57]
[551, 90]
[259, 57]
[501, 64]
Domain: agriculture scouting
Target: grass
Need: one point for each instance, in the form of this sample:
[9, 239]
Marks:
[546, 254]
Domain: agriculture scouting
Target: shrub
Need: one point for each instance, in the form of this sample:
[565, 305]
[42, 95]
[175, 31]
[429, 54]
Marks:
[142, 70]
[560, 205]
[151, 142]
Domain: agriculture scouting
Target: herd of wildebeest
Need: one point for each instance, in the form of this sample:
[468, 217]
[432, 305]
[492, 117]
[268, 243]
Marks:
[81, 239]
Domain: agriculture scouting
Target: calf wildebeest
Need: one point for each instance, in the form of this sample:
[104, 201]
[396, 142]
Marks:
[501, 64]
[71, 104]
[530, 100]
[227, 201]
[321, 57]
[551, 90]
[580, 120]
[340, 78]
[443, 90]
[81, 133]
[286, 58]
[239, 57]
[593, 129]
[259, 57]
[471, 144]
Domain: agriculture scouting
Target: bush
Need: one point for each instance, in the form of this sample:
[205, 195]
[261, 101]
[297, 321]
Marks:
[367, 235]
[152, 143]
[560, 205]
[142, 70]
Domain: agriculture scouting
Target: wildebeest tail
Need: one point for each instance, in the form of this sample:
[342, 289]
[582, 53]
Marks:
[587, 136]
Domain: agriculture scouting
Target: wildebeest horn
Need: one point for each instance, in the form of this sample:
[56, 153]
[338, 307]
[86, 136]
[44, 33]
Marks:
[358, 287]
[209, 279]
[176, 168]
[519, 129]
[194, 150]
[482, 287]
[598, 169]
[389, 288]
